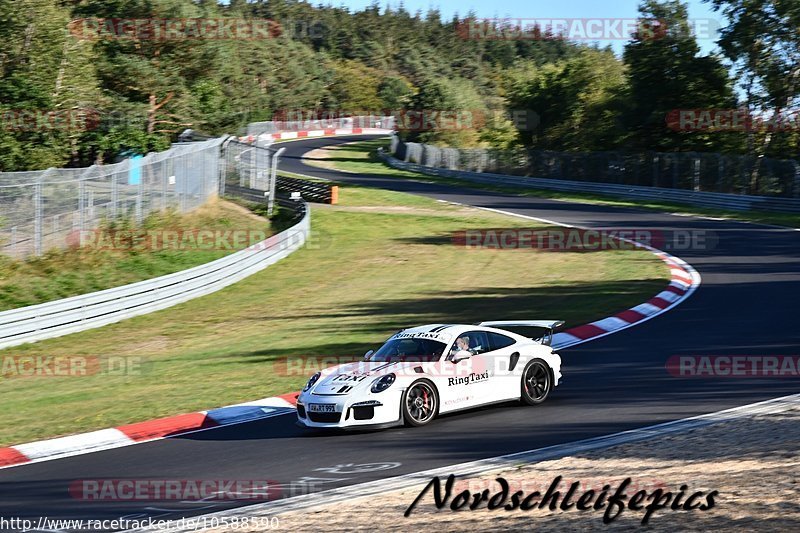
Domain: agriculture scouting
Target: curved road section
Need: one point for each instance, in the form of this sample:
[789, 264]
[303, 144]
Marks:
[746, 306]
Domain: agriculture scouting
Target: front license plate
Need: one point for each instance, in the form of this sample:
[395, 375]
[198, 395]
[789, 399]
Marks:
[322, 407]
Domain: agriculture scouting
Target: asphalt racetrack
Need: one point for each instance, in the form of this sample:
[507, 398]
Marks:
[747, 305]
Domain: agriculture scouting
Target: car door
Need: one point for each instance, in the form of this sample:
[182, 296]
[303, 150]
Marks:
[477, 377]
[505, 360]
[462, 384]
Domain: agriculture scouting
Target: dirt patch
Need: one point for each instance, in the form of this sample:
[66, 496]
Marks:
[318, 157]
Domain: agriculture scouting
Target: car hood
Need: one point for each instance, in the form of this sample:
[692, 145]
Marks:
[347, 378]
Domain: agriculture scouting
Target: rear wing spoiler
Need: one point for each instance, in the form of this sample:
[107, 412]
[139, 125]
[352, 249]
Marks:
[549, 325]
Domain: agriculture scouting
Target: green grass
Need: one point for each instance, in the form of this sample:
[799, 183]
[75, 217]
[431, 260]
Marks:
[93, 267]
[377, 262]
[361, 157]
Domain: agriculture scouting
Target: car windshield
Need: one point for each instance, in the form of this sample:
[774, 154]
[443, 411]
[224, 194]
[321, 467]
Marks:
[409, 349]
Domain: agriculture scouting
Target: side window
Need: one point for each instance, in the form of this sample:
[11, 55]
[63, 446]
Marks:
[500, 341]
[478, 342]
[475, 341]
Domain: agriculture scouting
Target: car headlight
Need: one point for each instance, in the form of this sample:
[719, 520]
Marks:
[382, 383]
[311, 381]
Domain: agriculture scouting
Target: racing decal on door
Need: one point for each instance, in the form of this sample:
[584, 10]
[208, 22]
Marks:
[467, 380]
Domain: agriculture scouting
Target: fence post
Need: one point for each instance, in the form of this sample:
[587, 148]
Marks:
[675, 163]
[184, 192]
[138, 211]
[114, 194]
[273, 179]
[81, 205]
[697, 174]
[655, 170]
[253, 168]
[164, 183]
[796, 191]
[222, 164]
[37, 215]
[90, 206]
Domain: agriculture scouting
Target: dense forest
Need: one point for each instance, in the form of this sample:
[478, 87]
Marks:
[82, 81]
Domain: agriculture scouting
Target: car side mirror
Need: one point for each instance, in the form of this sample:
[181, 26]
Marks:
[461, 355]
[368, 355]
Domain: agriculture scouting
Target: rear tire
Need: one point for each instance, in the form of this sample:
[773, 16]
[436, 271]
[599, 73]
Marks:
[536, 382]
[420, 403]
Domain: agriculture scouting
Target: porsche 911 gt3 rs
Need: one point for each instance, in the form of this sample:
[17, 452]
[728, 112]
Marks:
[428, 370]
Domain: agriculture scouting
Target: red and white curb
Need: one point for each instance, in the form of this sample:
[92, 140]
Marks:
[106, 439]
[684, 281]
[316, 133]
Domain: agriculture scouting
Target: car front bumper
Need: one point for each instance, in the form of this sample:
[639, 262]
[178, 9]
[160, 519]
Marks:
[380, 410]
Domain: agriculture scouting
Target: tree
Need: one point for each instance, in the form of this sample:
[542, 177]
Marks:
[47, 86]
[763, 45]
[354, 87]
[667, 72]
[578, 102]
[395, 92]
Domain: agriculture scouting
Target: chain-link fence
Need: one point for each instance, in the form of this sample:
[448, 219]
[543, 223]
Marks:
[276, 126]
[248, 169]
[695, 171]
[47, 209]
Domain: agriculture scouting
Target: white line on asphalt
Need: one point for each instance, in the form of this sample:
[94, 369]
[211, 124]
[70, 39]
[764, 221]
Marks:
[695, 275]
[485, 466]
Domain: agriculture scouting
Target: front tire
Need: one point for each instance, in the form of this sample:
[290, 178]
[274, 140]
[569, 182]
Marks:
[420, 403]
[537, 382]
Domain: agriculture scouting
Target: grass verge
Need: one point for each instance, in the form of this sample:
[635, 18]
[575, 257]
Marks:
[377, 262]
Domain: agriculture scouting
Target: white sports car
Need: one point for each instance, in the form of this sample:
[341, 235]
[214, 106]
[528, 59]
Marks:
[439, 368]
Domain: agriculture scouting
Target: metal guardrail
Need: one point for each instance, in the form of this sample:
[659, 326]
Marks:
[312, 191]
[739, 202]
[79, 313]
